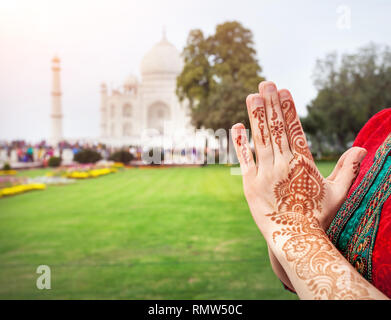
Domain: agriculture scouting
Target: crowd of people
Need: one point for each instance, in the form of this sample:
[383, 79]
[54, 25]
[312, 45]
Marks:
[21, 151]
[40, 153]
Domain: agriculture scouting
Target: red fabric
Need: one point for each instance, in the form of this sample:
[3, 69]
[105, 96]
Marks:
[371, 137]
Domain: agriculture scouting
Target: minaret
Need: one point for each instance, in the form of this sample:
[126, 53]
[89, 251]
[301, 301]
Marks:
[56, 114]
[103, 110]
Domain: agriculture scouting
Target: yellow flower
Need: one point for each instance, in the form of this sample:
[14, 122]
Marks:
[118, 165]
[91, 173]
[21, 188]
[7, 172]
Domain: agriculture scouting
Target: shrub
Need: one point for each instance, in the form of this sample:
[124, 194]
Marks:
[54, 162]
[6, 166]
[121, 156]
[87, 156]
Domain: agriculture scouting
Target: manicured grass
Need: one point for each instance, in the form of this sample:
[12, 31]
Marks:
[181, 233]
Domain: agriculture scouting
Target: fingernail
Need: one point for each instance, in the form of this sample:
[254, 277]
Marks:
[257, 101]
[363, 153]
[271, 88]
[284, 94]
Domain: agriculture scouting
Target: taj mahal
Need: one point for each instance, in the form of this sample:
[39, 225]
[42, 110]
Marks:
[149, 104]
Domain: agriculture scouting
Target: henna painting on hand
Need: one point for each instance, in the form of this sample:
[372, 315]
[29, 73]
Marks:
[307, 247]
[259, 113]
[276, 128]
[240, 141]
[294, 132]
[302, 191]
[316, 261]
[356, 168]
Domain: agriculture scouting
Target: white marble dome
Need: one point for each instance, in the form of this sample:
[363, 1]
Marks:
[162, 58]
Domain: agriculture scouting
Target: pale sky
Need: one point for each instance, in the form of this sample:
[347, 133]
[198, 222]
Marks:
[106, 40]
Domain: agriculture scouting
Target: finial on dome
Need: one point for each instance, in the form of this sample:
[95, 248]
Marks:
[164, 36]
[162, 58]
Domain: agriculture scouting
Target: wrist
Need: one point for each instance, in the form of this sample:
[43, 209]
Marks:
[287, 226]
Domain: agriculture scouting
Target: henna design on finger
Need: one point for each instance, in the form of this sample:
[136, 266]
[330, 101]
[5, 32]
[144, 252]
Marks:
[356, 168]
[294, 131]
[260, 114]
[276, 128]
[241, 142]
[245, 155]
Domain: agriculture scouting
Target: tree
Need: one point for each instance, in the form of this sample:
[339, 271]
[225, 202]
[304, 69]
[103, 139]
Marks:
[219, 72]
[350, 91]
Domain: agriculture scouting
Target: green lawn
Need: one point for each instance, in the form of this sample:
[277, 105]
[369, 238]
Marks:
[181, 233]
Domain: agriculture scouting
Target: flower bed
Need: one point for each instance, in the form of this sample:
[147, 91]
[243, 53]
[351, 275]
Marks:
[89, 173]
[83, 171]
[51, 180]
[10, 191]
[11, 185]
[7, 172]
[10, 181]
[118, 165]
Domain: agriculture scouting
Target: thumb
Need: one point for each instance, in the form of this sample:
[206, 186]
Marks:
[348, 167]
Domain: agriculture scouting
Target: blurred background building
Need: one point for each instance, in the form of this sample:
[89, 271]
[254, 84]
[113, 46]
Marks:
[150, 103]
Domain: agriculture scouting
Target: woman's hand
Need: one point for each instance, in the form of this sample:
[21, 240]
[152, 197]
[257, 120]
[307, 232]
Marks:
[336, 185]
[283, 156]
[292, 203]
